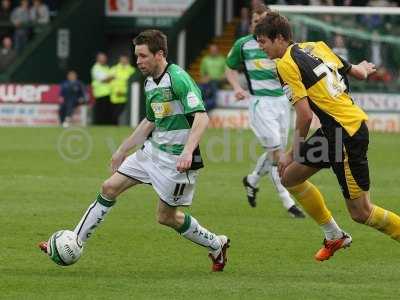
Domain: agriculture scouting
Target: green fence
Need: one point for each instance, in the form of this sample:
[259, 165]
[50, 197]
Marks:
[357, 37]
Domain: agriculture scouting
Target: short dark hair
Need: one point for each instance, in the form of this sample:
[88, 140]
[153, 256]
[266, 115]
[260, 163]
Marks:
[260, 8]
[272, 25]
[154, 39]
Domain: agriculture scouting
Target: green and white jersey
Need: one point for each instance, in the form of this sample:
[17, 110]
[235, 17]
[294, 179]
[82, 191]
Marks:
[260, 71]
[171, 101]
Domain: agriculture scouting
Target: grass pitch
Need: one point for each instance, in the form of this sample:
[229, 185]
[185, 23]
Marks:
[49, 176]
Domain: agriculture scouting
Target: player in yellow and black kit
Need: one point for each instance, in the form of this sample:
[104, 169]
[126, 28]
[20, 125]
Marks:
[314, 79]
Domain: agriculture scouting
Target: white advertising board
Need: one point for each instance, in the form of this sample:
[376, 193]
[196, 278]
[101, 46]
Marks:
[36, 115]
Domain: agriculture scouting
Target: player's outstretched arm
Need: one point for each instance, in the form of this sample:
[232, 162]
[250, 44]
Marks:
[362, 70]
[199, 126]
[233, 78]
[137, 138]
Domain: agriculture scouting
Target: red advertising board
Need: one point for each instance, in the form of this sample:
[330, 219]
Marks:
[33, 105]
[29, 93]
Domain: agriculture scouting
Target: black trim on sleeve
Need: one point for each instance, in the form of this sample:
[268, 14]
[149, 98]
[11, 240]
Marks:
[197, 162]
[343, 71]
[346, 65]
[152, 121]
[196, 111]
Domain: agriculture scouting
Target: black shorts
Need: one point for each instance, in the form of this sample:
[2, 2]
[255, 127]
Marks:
[347, 155]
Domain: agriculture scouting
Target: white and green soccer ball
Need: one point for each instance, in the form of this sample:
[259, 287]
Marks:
[64, 247]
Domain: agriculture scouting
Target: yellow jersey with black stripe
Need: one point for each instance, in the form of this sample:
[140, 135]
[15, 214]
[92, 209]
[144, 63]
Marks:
[312, 70]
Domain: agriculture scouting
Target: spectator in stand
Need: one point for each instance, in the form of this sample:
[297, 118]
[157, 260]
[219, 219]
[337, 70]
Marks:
[5, 10]
[5, 13]
[39, 14]
[21, 21]
[72, 93]
[122, 72]
[101, 78]
[339, 47]
[7, 54]
[212, 71]
[243, 28]
[255, 3]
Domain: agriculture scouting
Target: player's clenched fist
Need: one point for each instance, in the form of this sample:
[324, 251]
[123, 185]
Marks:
[184, 162]
[241, 94]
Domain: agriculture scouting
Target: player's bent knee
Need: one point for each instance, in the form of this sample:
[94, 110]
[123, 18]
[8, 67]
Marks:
[287, 182]
[360, 216]
[109, 190]
[165, 219]
[360, 208]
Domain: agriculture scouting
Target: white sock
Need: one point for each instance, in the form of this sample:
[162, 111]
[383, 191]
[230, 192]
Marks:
[262, 168]
[287, 201]
[192, 230]
[93, 216]
[332, 230]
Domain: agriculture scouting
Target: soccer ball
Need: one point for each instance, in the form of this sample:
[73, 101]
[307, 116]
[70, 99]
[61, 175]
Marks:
[64, 247]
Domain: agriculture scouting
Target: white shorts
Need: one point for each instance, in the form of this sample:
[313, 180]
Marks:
[270, 120]
[173, 187]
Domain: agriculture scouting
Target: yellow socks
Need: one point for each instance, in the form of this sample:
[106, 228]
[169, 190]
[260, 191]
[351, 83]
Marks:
[312, 201]
[385, 221]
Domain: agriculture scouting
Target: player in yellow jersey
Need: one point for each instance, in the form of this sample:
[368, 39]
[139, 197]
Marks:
[314, 79]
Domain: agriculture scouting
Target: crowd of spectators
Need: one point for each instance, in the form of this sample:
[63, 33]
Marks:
[20, 20]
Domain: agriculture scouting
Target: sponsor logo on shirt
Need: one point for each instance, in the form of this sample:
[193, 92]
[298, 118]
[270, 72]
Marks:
[161, 110]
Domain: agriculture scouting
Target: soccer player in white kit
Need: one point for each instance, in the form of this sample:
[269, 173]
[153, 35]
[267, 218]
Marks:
[269, 110]
[170, 158]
